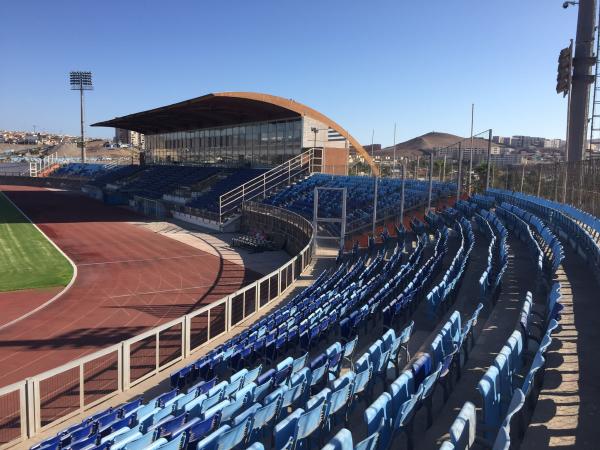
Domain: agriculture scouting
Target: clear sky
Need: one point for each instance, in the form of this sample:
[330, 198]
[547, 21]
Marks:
[366, 64]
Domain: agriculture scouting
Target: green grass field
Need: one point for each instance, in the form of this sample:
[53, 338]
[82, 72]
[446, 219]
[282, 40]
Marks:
[27, 259]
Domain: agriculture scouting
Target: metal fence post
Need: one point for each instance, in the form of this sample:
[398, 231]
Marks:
[489, 160]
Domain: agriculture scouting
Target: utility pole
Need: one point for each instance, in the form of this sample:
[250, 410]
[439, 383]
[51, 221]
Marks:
[417, 169]
[471, 151]
[582, 78]
[489, 160]
[402, 193]
[459, 178]
[430, 181]
[444, 169]
[374, 196]
[394, 149]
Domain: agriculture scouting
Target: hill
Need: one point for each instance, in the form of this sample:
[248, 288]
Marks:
[421, 145]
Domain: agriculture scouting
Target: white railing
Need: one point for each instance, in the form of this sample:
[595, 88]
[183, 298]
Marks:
[32, 406]
[36, 167]
[13, 410]
[282, 175]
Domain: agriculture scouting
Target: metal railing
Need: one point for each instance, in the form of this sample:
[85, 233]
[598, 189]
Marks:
[283, 175]
[37, 167]
[31, 406]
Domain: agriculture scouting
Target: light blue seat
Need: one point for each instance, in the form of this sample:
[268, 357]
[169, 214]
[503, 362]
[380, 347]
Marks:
[153, 419]
[339, 399]
[194, 407]
[177, 443]
[179, 404]
[234, 437]
[210, 441]
[299, 363]
[240, 374]
[489, 389]
[256, 446]
[371, 442]
[252, 375]
[401, 390]
[529, 383]
[285, 431]
[246, 394]
[234, 386]
[230, 410]
[378, 418]
[145, 442]
[218, 408]
[311, 421]
[118, 432]
[462, 430]
[403, 422]
[212, 400]
[505, 379]
[122, 440]
[341, 441]
[427, 389]
[349, 349]
[264, 418]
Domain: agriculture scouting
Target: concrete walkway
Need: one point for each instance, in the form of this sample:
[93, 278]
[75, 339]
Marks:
[567, 414]
[219, 244]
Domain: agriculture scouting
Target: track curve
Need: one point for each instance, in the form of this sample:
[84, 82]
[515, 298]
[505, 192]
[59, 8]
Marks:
[129, 279]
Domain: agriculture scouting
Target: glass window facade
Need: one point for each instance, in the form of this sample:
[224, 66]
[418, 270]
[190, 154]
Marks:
[260, 144]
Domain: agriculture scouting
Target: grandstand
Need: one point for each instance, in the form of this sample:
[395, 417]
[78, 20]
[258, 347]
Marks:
[439, 339]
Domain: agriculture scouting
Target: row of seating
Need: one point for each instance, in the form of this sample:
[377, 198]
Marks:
[522, 230]
[491, 280]
[510, 386]
[568, 222]
[360, 196]
[483, 201]
[443, 294]
[117, 173]
[551, 243]
[209, 200]
[79, 170]
[407, 297]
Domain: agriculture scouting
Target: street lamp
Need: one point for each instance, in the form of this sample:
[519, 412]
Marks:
[81, 81]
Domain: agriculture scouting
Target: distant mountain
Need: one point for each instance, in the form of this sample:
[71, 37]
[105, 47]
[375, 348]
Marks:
[422, 144]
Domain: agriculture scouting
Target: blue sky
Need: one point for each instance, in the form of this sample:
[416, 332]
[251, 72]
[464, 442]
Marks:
[366, 64]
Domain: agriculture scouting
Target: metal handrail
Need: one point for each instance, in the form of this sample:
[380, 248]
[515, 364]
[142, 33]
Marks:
[233, 199]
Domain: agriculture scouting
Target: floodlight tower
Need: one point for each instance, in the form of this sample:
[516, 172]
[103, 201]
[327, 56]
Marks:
[81, 81]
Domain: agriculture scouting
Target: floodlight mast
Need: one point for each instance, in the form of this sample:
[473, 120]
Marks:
[81, 81]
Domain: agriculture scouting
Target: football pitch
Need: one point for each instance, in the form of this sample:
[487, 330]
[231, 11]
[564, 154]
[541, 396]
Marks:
[27, 259]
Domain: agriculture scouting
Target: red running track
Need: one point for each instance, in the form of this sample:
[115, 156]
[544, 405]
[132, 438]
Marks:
[129, 279]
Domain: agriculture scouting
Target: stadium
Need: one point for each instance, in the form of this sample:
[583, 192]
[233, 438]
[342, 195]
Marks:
[238, 288]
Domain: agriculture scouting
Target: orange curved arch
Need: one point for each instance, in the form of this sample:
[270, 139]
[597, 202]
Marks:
[304, 110]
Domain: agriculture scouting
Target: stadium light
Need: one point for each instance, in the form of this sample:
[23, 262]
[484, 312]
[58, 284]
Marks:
[81, 81]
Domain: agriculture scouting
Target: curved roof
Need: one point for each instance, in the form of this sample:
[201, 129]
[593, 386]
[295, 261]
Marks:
[222, 109]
